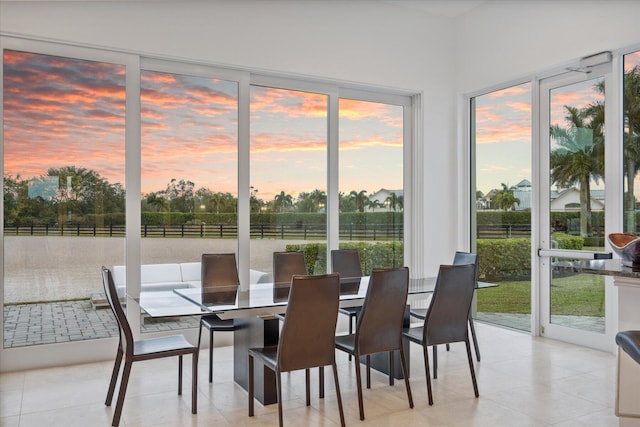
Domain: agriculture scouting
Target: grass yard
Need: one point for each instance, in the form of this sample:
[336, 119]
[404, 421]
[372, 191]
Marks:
[574, 294]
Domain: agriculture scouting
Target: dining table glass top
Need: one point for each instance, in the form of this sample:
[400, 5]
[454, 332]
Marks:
[261, 299]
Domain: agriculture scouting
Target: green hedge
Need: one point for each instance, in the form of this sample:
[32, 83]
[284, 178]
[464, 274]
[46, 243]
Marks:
[565, 241]
[372, 255]
[501, 259]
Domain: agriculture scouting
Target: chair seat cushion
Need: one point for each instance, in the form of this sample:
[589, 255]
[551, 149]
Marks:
[346, 343]
[418, 313]
[629, 341]
[414, 334]
[268, 355]
[212, 321]
[172, 343]
[351, 311]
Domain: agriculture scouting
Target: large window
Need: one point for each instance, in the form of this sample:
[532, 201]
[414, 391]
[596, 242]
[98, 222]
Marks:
[70, 132]
[501, 139]
[371, 182]
[64, 123]
[631, 162]
[288, 176]
[189, 174]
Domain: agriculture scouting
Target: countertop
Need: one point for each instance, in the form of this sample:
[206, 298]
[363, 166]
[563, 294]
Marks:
[606, 267]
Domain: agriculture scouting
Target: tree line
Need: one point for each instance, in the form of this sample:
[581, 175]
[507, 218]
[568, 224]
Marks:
[74, 194]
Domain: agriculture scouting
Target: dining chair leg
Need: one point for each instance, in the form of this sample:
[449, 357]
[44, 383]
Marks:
[199, 334]
[435, 362]
[476, 347]
[211, 355]
[350, 331]
[405, 372]
[425, 351]
[307, 383]
[368, 371]
[391, 368]
[473, 372]
[359, 384]
[114, 377]
[279, 396]
[123, 390]
[179, 375]
[321, 382]
[338, 395]
[194, 382]
[250, 391]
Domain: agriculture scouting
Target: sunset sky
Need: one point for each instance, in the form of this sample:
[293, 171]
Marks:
[61, 112]
[503, 130]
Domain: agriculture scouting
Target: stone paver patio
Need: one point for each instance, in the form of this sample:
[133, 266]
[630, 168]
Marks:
[64, 321]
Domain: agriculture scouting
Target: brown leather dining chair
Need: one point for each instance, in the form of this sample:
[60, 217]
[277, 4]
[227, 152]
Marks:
[379, 327]
[218, 270]
[285, 266]
[347, 263]
[145, 349]
[459, 258]
[447, 316]
[307, 336]
[288, 264]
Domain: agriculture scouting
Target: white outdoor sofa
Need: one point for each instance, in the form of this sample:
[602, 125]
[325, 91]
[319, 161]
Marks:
[166, 277]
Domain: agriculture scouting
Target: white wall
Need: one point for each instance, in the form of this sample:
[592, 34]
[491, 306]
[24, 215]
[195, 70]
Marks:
[500, 41]
[367, 42]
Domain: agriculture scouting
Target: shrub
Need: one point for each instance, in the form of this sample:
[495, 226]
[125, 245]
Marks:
[504, 258]
[372, 255]
[565, 241]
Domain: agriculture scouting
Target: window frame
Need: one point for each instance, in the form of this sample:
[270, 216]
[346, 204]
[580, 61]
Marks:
[134, 62]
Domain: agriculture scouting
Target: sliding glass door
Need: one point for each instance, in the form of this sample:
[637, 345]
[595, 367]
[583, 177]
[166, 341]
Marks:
[501, 212]
[572, 207]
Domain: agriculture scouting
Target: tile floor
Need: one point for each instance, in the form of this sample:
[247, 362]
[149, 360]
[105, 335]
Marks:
[523, 381]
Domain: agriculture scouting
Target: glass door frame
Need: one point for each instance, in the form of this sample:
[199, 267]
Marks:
[541, 268]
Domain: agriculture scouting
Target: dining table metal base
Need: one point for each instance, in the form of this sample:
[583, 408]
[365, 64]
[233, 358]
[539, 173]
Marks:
[255, 332]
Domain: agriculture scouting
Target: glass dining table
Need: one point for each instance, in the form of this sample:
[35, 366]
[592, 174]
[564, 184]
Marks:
[255, 313]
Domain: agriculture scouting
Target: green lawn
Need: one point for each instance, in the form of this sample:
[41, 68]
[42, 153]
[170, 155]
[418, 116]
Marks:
[575, 294]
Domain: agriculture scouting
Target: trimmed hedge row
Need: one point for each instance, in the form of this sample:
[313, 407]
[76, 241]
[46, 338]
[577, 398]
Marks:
[501, 259]
[372, 255]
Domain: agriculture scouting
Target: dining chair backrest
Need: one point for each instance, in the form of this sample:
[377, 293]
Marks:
[380, 322]
[219, 270]
[309, 328]
[124, 330]
[448, 314]
[288, 264]
[346, 262]
[461, 258]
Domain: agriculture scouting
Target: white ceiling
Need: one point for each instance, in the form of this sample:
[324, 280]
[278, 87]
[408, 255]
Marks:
[448, 8]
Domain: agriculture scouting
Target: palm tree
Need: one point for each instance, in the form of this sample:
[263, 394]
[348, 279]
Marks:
[631, 142]
[283, 201]
[505, 199]
[578, 158]
[394, 201]
[360, 199]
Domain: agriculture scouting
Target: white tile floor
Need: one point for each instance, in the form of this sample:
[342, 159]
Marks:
[523, 381]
